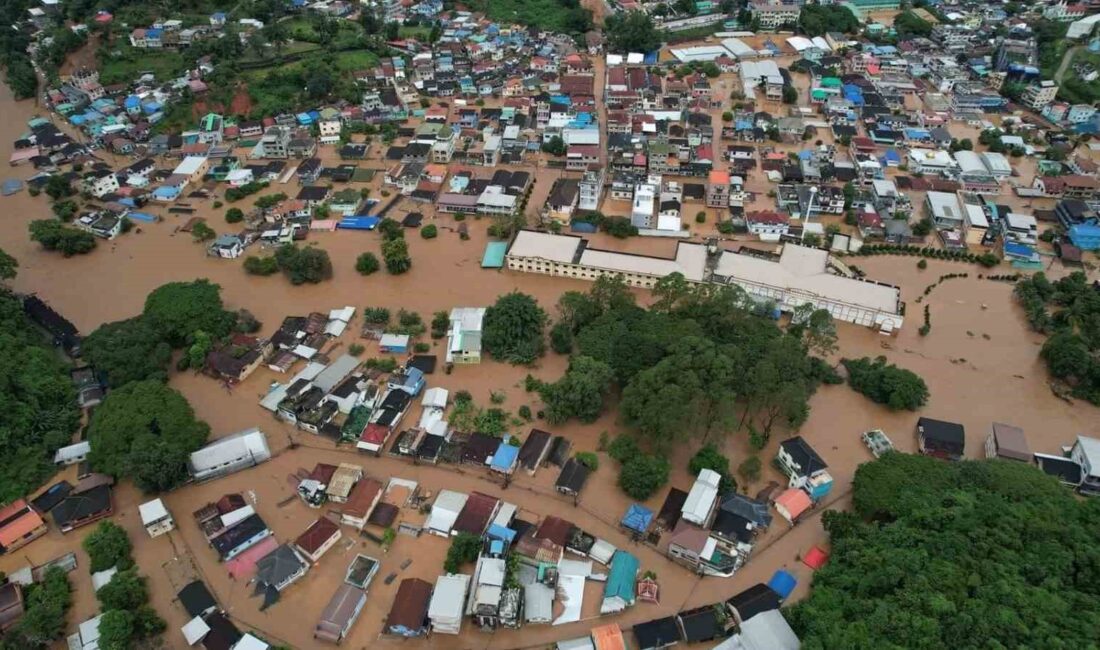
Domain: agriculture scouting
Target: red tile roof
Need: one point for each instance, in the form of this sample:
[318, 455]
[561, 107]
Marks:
[319, 532]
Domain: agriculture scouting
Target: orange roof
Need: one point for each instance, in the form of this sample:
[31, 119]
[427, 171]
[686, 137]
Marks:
[794, 501]
[435, 170]
[608, 637]
[23, 520]
[720, 177]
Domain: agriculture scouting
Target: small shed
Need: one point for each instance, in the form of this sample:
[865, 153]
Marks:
[637, 518]
[534, 450]
[505, 458]
[572, 478]
[941, 439]
[783, 583]
[394, 344]
[1007, 442]
[792, 503]
[155, 518]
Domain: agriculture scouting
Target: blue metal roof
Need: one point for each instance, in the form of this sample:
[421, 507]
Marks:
[505, 457]
[783, 583]
[637, 518]
[497, 531]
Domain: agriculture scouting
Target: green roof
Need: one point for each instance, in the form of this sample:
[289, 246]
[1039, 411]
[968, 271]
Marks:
[830, 82]
[621, 579]
[494, 255]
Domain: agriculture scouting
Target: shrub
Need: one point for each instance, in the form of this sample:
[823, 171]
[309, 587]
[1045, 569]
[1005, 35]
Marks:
[588, 459]
[260, 265]
[234, 215]
[923, 264]
[700, 217]
[525, 412]
[366, 264]
[642, 475]
[429, 231]
[356, 349]
[376, 315]
[886, 383]
[421, 347]
[623, 448]
[749, 469]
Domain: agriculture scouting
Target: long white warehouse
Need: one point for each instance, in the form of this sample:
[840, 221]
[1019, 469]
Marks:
[796, 276]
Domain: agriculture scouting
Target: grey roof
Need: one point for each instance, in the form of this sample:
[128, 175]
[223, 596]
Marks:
[751, 509]
[278, 566]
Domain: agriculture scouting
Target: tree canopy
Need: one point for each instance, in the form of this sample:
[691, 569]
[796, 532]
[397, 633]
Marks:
[54, 235]
[1069, 310]
[908, 24]
[128, 350]
[975, 554]
[145, 431]
[43, 621]
[38, 412]
[9, 266]
[301, 265]
[579, 393]
[513, 329]
[178, 309]
[108, 546]
[632, 31]
[817, 20]
[885, 383]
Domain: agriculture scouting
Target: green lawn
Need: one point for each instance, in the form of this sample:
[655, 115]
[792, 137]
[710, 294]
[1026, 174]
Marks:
[125, 63]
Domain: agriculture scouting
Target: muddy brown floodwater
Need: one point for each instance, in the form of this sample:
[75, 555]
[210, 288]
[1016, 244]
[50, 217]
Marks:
[980, 361]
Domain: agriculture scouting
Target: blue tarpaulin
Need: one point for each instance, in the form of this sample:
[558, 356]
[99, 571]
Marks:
[783, 583]
[637, 518]
[11, 186]
[496, 531]
[359, 223]
[142, 216]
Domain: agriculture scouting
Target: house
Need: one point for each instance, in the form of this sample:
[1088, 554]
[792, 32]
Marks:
[1008, 442]
[20, 524]
[394, 344]
[87, 635]
[478, 510]
[765, 631]
[280, 568]
[445, 611]
[534, 450]
[464, 335]
[695, 548]
[618, 593]
[11, 605]
[803, 467]
[72, 454]
[572, 478]
[227, 246]
[318, 539]
[940, 439]
[361, 503]
[658, 633]
[608, 637]
[408, 615]
[229, 454]
[792, 503]
[197, 600]
[1066, 470]
[83, 508]
[100, 182]
[757, 599]
[1086, 453]
[768, 225]
[445, 512]
[340, 614]
[504, 458]
[702, 498]
[408, 379]
[240, 537]
[155, 518]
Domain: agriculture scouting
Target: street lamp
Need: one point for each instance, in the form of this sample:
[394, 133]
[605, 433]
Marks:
[809, 209]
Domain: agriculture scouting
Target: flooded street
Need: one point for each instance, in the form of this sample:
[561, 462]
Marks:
[980, 362]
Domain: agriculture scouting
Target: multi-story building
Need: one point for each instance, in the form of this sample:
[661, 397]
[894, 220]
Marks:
[718, 189]
[1039, 95]
[1063, 12]
[591, 189]
[774, 16]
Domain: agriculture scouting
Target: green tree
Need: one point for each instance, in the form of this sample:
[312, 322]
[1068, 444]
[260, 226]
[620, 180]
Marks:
[263, 266]
[44, 617]
[708, 457]
[366, 264]
[234, 215]
[395, 253]
[441, 322]
[308, 264]
[58, 187]
[790, 95]
[178, 309]
[513, 329]
[555, 146]
[464, 550]
[390, 229]
[561, 338]
[749, 469]
[116, 630]
[108, 546]
[588, 459]
[54, 235]
[887, 384]
[579, 393]
[200, 347]
[429, 231]
[631, 31]
[145, 431]
[643, 475]
[128, 350]
[202, 232]
[126, 590]
[908, 24]
[9, 266]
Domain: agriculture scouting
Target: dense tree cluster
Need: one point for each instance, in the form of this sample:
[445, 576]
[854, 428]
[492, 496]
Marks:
[909, 25]
[38, 412]
[976, 554]
[145, 431]
[1069, 310]
[128, 350]
[366, 264]
[885, 383]
[464, 550]
[43, 621]
[301, 265]
[579, 393]
[55, 235]
[513, 329]
[631, 31]
[640, 474]
[817, 20]
[178, 309]
[127, 616]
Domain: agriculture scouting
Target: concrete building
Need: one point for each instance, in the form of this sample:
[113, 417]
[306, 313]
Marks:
[591, 189]
[774, 16]
[1039, 95]
[796, 276]
[155, 518]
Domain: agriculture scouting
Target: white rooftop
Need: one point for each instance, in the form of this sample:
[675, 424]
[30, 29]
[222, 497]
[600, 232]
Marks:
[152, 511]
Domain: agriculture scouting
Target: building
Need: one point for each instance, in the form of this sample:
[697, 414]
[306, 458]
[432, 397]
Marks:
[701, 499]
[408, 615]
[361, 503]
[940, 439]
[83, 508]
[192, 169]
[340, 614]
[767, 630]
[1036, 96]
[591, 190]
[72, 454]
[155, 518]
[445, 611]
[803, 467]
[718, 189]
[1007, 442]
[20, 525]
[572, 478]
[11, 605]
[1086, 453]
[774, 16]
[619, 590]
[230, 454]
[280, 568]
[318, 539]
[464, 335]
[944, 211]
[797, 276]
